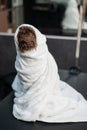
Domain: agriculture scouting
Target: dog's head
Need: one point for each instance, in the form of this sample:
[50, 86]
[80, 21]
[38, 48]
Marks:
[26, 39]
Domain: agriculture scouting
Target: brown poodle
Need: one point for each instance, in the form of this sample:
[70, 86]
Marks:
[26, 39]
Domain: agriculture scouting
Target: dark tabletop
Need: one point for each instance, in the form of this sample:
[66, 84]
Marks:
[8, 122]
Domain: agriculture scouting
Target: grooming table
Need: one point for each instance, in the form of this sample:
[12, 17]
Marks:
[64, 54]
[8, 122]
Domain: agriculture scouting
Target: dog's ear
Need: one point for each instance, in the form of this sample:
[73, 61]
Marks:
[26, 39]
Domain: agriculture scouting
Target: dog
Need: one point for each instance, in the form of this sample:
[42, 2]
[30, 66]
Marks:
[26, 39]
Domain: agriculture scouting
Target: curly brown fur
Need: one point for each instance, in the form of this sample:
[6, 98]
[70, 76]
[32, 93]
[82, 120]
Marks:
[26, 39]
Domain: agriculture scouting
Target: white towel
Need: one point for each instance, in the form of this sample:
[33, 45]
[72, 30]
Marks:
[40, 95]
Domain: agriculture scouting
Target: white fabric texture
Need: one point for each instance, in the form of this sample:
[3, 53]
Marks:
[40, 95]
[71, 18]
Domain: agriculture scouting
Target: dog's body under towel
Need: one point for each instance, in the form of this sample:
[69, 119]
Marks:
[40, 95]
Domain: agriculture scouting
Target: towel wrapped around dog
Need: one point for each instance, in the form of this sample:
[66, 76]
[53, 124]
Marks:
[40, 95]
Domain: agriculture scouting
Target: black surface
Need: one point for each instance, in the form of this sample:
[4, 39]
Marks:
[8, 122]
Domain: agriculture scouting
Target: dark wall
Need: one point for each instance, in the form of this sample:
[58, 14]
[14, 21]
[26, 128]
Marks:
[64, 52]
[7, 55]
[7, 70]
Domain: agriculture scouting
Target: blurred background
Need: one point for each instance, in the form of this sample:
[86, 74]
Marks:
[46, 15]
